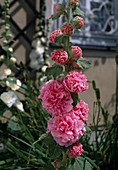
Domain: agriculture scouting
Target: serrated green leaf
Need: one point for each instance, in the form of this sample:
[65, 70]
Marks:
[55, 16]
[60, 39]
[77, 11]
[83, 63]
[55, 70]
[80, 163]
[54, 150]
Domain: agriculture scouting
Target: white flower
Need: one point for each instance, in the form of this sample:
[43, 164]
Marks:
[13, 59]
[14, 86]
[34, 64]
[19, 105]
[9, 98]
[36, 43]
[10, 50]
[43, 40]
[44, 68]
[2, 57]
[40, 50]
[33, 55]
[39, 33]
[7, 72]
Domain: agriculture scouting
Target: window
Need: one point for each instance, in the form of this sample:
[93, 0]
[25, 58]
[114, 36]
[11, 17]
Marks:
[101, 25]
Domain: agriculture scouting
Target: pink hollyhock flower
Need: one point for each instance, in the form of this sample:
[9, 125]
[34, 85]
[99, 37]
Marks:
[60, 56]
[59, 7]
[67, 28]
[75, 81]
[78, 22]
[77, 51]
[75, 149]
[54, 34]
[73, 2]
[66, 128]
[81, 110]
[55, 97]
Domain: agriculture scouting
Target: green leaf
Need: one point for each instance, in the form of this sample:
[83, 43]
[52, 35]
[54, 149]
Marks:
[14, 125]
[83, 63]
[75, 98]
[3, 107]
[55, 70]
[55, 16]
[80, 163]
[60, 39]
[5, 48]
[87, 128]
[77, 11]
[54, 150]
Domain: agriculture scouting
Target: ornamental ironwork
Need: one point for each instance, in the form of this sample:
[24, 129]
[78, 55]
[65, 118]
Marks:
[100, 21]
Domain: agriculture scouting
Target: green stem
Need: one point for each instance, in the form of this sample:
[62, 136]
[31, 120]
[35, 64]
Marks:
[116, 78]
[64, 160]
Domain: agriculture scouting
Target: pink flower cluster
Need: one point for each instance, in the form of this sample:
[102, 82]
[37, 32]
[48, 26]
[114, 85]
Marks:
[59, 56]
[77, 51]
[67, 28]
[75, 149]
[54, 34]
[75, 81]
[55, 97]
[73, 2]
[66, 128]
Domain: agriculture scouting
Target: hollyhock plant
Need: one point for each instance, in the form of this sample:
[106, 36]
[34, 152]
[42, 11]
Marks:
[78, 22]
[54, 34]
[77, 51]
[76, 149]
[66, 128]
[67, 28]
[55, 97]
[59, 56]
[81, 110]
[75, 81]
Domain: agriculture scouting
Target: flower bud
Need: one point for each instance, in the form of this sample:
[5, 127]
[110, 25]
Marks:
[13, 60]
[78, 22]
[10, 50]
[39, 33]
[44, 68]
[67, 28]
[7, 72]
[2, 57]
[72, 2]
[59, 7]
[43, 40]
